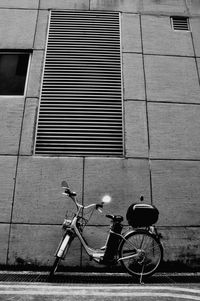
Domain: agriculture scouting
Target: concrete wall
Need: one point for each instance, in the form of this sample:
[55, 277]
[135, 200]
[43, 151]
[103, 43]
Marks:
[161, 126]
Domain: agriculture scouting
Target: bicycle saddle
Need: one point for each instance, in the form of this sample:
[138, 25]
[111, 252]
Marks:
[115, 218]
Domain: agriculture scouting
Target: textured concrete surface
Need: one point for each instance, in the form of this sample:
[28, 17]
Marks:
[131, 34]
[181, 244]
[11, 113]
[176, 192]
[195, 24]
[64, 4]
[160, 77]
[41, 29]
[39, 196]
[165, 41]
[28, 126]
[35, 78]
[172, 79]
[164, 7]
[133, 76]
[7, 177]
[125, 180]
[36, 244]
[4, 228]
[115, 5]
[136, 140]
[17, 28]
[31, 4]
[193, 7]
[174, 131]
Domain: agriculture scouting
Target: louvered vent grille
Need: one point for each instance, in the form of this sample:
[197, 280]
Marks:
[81, 102]
[180, 23]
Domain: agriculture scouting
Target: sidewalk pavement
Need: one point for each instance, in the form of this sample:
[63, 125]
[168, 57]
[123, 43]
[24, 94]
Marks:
[97, 292]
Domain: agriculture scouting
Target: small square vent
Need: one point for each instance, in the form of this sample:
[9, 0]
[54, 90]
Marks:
[180, 23]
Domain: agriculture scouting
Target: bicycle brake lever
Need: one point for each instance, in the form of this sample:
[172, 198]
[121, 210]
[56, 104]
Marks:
[64, 193]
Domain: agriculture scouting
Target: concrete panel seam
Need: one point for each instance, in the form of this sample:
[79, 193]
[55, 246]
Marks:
[133, 99]
[166, 14]
[18, 8]
[168, 55]
[145, 85]
[162, 14]
[36, 23]
[146, 107]
[83, 194]
[131, 52]
[122, 87]
[15, 181]
[7, 155]
[31, 224]
[195, 57]
[172, 102]
[83, 181]
[99, 226]
[174, 159]
[135, 157]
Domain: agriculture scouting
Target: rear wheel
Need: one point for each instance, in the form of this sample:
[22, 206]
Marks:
[142, 253]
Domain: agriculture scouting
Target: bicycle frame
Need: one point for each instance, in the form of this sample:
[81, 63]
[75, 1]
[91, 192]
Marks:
[95, 254]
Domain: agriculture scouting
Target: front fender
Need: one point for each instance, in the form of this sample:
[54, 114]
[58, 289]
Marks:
[64, 244]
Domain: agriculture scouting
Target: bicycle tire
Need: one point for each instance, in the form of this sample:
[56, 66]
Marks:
[63, 248]
[54, 267]
[151, 253]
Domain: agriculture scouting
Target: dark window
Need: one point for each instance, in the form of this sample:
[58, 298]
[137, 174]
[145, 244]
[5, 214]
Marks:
[13, 70]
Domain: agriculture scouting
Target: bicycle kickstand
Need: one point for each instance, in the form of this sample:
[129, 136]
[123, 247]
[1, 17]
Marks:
[141, 282]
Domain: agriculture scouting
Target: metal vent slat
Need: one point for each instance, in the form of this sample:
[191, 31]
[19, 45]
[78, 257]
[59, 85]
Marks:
[80, 106]
[180, 23]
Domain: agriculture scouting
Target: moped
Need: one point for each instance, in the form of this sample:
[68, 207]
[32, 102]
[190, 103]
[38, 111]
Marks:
[138, 250]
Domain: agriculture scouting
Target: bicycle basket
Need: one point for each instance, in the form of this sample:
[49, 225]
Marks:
[142, 215]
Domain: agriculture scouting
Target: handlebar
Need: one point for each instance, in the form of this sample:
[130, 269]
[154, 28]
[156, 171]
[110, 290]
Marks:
[72, 195]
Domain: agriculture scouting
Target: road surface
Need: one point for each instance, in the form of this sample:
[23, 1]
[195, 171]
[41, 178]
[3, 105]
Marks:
[97, 292]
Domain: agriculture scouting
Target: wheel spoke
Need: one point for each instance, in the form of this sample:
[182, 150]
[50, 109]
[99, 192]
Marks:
[148, 253]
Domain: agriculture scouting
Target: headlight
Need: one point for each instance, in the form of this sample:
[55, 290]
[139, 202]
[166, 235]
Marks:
[106, 199]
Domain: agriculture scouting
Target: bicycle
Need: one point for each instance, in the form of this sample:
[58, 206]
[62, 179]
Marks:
[139, 250]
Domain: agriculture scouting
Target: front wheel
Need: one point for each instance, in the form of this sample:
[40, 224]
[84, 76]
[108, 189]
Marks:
[142, 253]
[54, 267]
[61, 253]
